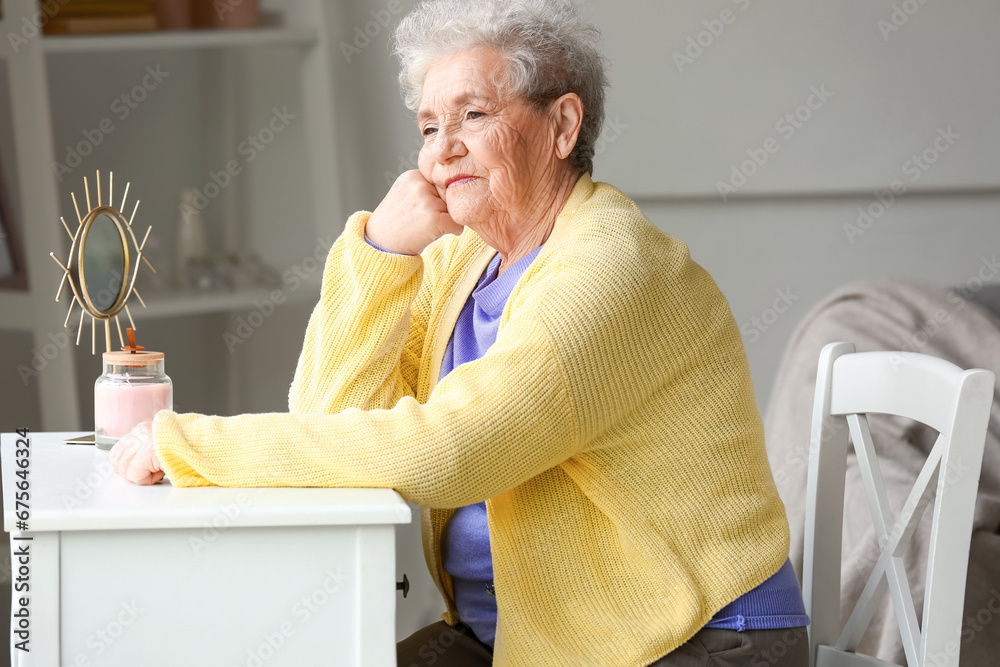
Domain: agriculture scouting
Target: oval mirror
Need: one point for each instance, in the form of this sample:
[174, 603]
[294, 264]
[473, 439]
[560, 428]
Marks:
[103, 262]
[102, 269]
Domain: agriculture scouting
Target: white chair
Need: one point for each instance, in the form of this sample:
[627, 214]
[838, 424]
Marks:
[956, 404]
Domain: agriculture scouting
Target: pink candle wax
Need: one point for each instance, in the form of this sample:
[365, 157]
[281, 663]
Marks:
[119, 407]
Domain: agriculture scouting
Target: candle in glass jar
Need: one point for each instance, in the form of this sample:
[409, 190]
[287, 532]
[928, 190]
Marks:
[119, 407]
[132, 389]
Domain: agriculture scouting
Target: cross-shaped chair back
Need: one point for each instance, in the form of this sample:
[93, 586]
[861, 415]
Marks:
[956, 404]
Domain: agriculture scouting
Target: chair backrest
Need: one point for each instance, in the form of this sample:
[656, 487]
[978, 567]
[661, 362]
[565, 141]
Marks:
[956, 404]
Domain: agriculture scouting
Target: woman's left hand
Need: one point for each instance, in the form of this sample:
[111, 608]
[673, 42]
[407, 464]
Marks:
[134, 456]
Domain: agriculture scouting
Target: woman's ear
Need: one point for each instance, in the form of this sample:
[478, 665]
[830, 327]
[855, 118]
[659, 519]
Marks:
[567, 114]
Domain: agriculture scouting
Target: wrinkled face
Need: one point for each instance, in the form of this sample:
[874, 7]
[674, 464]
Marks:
[486, 155]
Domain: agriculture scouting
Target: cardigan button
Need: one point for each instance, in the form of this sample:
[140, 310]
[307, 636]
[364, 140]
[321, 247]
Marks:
[492, 591]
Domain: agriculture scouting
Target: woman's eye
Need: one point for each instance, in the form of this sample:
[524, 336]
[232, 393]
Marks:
[475, 115]
[429, 131]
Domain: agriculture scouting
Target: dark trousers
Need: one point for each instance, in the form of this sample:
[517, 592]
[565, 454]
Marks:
[444, 646]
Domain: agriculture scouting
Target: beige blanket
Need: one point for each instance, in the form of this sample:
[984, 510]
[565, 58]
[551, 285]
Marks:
[894, 315]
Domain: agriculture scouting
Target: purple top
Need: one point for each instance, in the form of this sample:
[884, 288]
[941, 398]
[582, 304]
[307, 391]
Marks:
[465, 545]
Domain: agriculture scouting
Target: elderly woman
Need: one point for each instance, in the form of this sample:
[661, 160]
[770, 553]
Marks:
[514, 347]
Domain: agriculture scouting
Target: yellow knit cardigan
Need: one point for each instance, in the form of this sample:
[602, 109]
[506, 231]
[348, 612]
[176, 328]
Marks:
[612, 429]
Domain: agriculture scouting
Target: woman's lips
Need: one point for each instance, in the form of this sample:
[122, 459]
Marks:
[459, 180]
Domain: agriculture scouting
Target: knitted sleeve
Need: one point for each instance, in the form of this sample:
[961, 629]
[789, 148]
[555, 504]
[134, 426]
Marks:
[365, 336]
[489, 425]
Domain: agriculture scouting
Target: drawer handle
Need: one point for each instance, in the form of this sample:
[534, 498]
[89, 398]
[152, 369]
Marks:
[403, 585]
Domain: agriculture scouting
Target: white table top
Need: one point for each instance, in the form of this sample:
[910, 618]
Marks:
[73, 487]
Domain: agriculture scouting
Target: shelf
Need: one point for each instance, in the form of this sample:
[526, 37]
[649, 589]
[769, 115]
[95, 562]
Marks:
[183, 39]
[162, 304]
[169, 304]
[18, 305]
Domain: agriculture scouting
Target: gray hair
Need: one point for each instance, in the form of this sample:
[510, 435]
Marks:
[550, 50]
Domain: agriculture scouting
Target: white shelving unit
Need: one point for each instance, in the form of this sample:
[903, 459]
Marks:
[217, 91]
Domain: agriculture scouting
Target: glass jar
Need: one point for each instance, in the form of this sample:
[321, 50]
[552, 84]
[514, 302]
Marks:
[132, 389]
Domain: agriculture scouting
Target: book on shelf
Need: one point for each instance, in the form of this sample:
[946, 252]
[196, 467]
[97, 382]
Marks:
[88, 17]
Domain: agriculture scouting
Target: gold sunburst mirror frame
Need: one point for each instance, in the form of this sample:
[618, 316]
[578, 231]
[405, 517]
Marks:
[102, 275]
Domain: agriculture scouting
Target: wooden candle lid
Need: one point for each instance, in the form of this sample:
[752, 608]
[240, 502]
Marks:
[142, 358]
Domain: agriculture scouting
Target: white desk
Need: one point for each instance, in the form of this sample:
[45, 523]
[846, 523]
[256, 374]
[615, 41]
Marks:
[207, 577]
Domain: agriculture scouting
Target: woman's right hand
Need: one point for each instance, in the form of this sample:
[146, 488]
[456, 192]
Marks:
[411, 217]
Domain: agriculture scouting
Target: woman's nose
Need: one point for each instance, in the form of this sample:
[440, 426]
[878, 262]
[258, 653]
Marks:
[448, 145]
